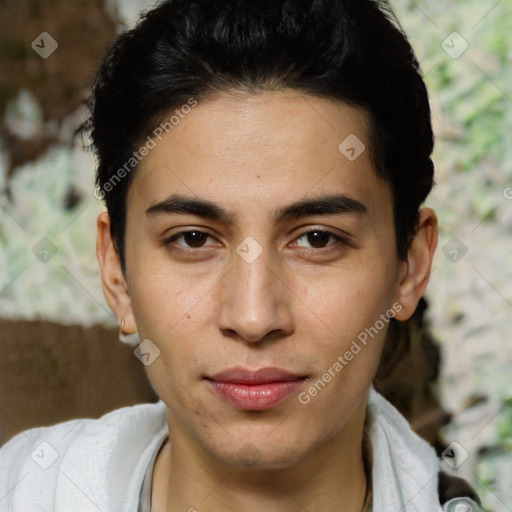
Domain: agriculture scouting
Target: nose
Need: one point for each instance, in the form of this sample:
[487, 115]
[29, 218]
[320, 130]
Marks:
[255, 302]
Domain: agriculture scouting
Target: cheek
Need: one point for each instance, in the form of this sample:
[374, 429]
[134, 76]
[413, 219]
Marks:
[345, 323]
[346, 302]
[166, 299]
[176, 310]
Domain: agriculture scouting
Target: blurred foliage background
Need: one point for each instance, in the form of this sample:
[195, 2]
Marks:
[471, 297]
[48, 267]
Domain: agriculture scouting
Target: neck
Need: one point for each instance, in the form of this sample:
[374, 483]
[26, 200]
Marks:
[329, 479]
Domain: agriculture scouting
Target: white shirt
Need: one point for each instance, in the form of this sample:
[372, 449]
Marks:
[106, 464]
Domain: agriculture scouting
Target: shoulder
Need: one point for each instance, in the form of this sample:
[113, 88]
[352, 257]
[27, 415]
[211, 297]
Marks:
[63, 435]
[403, 463]
[72, 460]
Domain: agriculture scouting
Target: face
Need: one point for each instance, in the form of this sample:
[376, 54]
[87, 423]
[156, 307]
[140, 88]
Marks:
[258, 255]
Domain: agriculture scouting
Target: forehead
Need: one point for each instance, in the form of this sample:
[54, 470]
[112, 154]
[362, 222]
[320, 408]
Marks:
[260, 149]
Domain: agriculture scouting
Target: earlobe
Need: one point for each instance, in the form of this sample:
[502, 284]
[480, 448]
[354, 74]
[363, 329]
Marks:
[417, 267]
[115, 288]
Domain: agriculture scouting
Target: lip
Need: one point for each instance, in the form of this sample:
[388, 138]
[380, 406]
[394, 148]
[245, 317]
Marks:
[240, 375]
[255, 390]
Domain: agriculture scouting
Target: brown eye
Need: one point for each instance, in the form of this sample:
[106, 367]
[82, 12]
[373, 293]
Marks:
[318, 239]
[195, 238]
[192, 239]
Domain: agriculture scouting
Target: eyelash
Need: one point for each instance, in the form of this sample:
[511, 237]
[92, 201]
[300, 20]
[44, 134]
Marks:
[343, 241]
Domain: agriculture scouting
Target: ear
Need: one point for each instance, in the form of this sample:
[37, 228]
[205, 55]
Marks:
[113, 280]
[415, 271]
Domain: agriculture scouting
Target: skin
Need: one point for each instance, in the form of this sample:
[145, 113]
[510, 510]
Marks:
[297, 306]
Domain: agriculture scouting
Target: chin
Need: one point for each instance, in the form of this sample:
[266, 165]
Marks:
[260, 455]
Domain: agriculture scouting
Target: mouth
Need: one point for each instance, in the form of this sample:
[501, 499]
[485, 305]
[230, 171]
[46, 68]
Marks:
[255, 390]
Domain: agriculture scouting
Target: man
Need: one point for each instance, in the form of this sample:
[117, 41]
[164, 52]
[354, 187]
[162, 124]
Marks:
[263, 164]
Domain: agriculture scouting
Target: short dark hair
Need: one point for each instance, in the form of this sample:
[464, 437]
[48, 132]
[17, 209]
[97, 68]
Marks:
[349, 50]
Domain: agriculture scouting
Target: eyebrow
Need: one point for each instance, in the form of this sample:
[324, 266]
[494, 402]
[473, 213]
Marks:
[339, 204]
